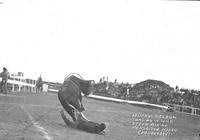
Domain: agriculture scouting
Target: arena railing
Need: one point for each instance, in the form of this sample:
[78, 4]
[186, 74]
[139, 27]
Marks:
[119, 100]
[184, 109]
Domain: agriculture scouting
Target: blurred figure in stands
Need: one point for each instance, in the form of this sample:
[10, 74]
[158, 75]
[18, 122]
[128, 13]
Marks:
[4, 75]
[39, 85]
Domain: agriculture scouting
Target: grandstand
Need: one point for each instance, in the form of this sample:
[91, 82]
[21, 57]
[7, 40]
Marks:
[153, 92]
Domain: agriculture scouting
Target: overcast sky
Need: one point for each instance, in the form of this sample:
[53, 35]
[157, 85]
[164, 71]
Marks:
[131, 40]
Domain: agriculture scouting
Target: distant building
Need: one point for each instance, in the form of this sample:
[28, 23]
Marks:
[52, 86]
[17, 83]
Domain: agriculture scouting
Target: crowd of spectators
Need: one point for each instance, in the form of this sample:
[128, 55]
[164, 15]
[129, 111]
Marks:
[150, 91]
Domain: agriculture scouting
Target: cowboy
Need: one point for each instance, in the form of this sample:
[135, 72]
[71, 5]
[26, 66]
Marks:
[70, 94]
[83, 124]
[39, 84]
[4, 75]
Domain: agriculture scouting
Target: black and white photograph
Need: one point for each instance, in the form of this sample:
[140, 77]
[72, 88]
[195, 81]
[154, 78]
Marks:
[99, 70]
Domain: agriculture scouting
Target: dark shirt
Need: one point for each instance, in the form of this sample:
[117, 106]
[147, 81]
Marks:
[4, 76]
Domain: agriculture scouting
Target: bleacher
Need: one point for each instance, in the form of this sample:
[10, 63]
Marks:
[152, 92]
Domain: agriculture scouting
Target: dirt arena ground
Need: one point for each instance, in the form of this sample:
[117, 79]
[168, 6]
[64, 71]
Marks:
[37, 117]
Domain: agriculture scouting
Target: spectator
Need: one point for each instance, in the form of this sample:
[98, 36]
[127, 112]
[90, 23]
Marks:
[39, 84]
[4, 75]
[151, 91]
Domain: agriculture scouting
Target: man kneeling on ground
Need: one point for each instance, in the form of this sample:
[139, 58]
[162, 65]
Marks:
[82, 124]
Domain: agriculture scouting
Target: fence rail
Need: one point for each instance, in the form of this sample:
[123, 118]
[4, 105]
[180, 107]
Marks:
[184, 109]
